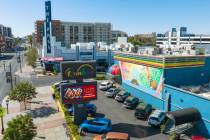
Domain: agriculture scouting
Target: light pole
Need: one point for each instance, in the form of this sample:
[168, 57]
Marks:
[7, 103]
[15, 76]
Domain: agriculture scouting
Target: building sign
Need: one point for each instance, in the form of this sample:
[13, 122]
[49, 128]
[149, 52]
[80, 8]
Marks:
[77, 93]
[47, 23]
[74, 70]
[52, 59]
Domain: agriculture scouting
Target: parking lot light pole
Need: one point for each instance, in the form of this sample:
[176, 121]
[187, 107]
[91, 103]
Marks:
[4, 65]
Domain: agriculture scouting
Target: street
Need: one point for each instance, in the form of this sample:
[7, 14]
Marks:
[5, 87]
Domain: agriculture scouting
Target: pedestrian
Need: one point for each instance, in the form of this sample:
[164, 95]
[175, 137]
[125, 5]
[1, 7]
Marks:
[58, 109]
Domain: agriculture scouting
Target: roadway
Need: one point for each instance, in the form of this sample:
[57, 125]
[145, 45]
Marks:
[11, 58]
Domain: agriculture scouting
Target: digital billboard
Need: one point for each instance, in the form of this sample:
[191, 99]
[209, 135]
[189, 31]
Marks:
[73, 70]
[143, 77]
[77, 93]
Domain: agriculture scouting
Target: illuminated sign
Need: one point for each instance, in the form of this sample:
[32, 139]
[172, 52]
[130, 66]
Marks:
[47, 23]
[77, 93]
[52, 59]
[73, 70]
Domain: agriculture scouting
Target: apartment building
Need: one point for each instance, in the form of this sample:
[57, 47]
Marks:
[6, 38]
[116, 34]
[181, 36]
[73, 32]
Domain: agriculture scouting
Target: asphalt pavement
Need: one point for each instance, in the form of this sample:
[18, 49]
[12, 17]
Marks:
[123, 120]
[5, 87]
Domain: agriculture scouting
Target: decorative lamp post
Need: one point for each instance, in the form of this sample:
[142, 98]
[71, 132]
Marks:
[7, 103]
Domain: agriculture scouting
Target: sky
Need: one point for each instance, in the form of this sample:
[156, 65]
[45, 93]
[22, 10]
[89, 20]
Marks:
[131, 16]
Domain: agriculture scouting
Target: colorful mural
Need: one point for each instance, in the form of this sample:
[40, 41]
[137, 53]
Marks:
[143, 77]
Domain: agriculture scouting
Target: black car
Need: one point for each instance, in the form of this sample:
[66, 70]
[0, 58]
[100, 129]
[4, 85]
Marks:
[143, 111]
[121, 96]
[131, 102]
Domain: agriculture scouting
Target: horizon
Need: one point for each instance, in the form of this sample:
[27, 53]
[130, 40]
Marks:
[123, 15]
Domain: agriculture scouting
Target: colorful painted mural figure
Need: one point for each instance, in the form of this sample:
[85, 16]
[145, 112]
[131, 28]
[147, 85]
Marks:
[142, 77]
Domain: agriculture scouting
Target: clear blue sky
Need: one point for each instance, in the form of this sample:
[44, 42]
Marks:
[132, 16]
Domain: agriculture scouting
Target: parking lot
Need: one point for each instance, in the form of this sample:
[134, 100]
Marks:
[123, 120]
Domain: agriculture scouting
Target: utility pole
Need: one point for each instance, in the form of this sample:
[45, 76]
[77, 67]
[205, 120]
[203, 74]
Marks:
[10, 68]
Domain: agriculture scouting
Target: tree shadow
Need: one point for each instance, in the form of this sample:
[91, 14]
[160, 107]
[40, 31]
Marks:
[136, 131]
[42, 112]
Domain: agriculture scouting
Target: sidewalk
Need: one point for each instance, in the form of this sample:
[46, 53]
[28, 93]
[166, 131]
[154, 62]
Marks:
[49, 122]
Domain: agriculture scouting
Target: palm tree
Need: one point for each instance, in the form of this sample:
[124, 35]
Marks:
[30, 40]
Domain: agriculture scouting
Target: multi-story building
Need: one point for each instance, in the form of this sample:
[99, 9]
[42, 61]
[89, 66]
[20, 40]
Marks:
[6, 38]
[181, 36]
[73, 32]
[116, 34]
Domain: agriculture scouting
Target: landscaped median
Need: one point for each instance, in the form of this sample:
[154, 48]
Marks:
[69, 119]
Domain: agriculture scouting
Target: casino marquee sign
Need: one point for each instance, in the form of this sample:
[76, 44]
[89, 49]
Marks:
[73, 70]
[76, 93]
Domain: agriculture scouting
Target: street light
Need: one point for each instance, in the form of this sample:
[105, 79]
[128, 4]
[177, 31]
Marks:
[7, 103]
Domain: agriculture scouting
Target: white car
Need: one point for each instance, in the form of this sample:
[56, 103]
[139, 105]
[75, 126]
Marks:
[157, 118]
[105, 85]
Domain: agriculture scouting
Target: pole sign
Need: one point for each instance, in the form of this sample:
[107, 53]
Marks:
[74, 70]
[47, 23]
[75, 93]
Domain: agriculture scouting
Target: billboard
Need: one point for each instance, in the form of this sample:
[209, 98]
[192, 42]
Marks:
[77, 93]
[73, 70]
[147, 78]
[47, 23]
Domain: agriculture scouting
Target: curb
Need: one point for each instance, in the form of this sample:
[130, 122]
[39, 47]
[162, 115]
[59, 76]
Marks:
[61, 109]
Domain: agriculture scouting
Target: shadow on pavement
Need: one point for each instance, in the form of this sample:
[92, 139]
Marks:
[99, 115]
[136, 131]
[42, 112]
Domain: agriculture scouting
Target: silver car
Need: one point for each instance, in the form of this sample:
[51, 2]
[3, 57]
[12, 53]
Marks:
[112, 92]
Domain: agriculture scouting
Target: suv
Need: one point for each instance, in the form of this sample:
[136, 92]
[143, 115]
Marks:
[121, 96]
[131, 102]
[143, 110]
[156, 118]
[112, 92]
[105, 85]
[100, 125]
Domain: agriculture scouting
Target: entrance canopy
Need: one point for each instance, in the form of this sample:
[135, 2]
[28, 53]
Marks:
[183, 116]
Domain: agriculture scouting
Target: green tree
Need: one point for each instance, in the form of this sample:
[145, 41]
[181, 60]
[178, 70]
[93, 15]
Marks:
[31, 56]
[2, 113]
[20, 128]
[23, 92]
[30, 40]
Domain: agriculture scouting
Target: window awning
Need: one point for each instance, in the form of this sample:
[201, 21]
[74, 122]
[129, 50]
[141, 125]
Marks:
[183, 116]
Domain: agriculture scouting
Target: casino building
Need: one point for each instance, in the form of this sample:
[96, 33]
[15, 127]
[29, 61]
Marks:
[169, 82]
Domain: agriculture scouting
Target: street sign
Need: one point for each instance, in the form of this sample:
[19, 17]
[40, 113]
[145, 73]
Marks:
[74, 70]
[75, 93]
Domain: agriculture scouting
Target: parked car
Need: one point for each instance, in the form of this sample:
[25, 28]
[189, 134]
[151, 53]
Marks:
[131, 102]
[113, 136]
[157, 118]
[112, 92]
[91, 109]
[121, 96]
[143, 110]
[99, 125]
[105, 85]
